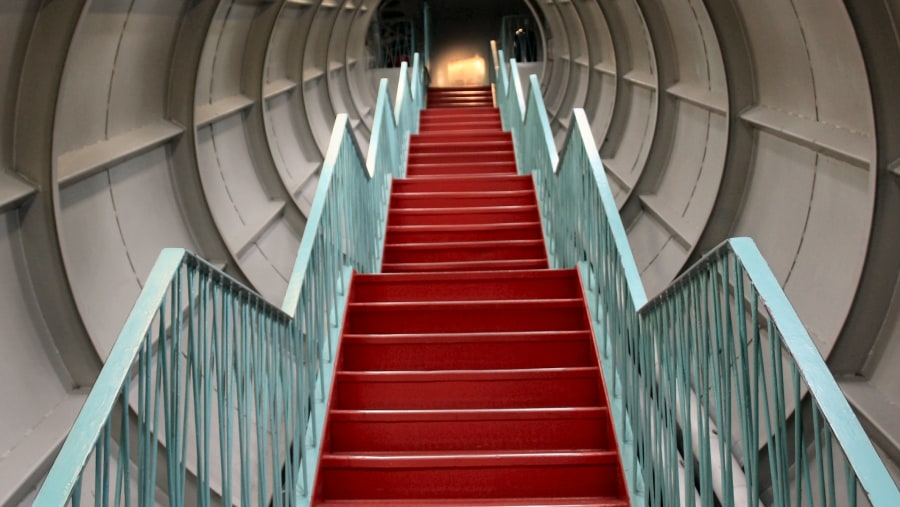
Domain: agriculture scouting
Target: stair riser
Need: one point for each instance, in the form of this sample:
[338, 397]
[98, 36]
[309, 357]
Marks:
[399, 201]
[464, 267]
[460, 137]
[462, 104]
[480, 96]
[473, 482]
[439, 94]
[439, 253]
[456, 158]
[469, 126]
[468, 355]
[475, 112]
[533, 232]
[474, 394]
[455, 435]
[398, 218]
[506, 168]
[436, 287]
[465, 184]
[464, 318]
[451, 89]
[473, 147]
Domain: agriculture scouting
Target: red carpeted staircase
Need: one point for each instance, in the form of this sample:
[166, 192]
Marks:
[467, 372]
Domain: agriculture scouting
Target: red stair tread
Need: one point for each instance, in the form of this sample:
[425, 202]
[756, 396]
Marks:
[469, 251]
[416, 431]
[547, 475]
[488, 182]
[465, 317]
[467, 351]
[449, 233]
[486, 168]
[490, 286]
[458, 136]
[463, 199]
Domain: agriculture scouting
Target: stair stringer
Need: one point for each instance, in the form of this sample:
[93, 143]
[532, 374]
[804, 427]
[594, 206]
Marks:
[314, 440]
[631, 468]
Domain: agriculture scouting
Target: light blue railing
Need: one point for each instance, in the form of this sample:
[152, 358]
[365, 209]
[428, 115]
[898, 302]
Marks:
[390, 125]
[213, 395]
[721, 394]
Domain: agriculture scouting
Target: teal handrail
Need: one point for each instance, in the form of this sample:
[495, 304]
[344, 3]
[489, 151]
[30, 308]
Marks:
[214, 393]
[721, 386]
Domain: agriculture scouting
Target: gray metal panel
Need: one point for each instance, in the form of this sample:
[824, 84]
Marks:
[140, 185]
[316, 99]
[29, 386]
[359, 80]
[290, 138]
[142, 64]
[627, 161]
[830, 258]
[601, 58]
[270, 282]
[784, 78]
[100, 272]
[279, 244]
[16, 18]
[227, 65]
[777, 201]
[84, 98]
[665, 266]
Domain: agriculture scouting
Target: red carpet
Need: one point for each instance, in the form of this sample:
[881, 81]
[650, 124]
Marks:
[467, 373]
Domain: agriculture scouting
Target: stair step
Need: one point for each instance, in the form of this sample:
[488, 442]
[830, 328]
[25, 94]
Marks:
[462, 199]
[467, 389]
[466, 316]
[482, 168]
[406, 431]
[440, 89]
[490, 286]
[450, 216]
[466, 266]
[523, 249]
[436, 146]
[468, 351]
[458, 136]
[483, 183]
[456, 114]
[490, 125]
[472, 476]
[507, 155]
[469, 92]
[451, 233]
[460, 103]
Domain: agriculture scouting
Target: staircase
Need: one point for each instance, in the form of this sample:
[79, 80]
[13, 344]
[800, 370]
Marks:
[467, 372]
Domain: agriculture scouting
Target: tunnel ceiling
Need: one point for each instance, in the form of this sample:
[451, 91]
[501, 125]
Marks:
[133, 125]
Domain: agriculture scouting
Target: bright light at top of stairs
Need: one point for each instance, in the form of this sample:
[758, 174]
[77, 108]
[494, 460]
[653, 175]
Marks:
[466, 71]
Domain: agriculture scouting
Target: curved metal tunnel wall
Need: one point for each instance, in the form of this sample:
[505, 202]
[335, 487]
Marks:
[127, 126]
[773, 119]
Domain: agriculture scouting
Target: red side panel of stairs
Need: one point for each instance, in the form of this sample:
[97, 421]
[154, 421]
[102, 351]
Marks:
[467, 372]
